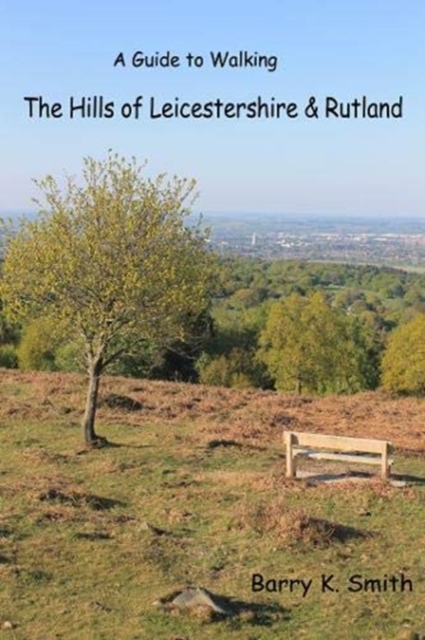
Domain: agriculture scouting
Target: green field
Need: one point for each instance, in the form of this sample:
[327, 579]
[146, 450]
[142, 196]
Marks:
[192, 492]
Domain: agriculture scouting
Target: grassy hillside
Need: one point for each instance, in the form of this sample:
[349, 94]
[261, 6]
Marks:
[192, 492]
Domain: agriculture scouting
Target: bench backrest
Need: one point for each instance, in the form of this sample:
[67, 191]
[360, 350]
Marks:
[338, 443]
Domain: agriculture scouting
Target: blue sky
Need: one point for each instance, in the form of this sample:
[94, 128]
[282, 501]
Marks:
[324, 48]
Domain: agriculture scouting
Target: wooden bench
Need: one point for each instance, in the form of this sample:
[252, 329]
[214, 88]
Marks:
[336, 448]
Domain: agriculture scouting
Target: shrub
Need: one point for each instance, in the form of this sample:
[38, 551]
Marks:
[36, 350]
[237, 369]
[8, 357]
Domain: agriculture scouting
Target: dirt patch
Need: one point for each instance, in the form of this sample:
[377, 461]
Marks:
[56, 514]
[245, 416]
[117, 401]
[296, 527]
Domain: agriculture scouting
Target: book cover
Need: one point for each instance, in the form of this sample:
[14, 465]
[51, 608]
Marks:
[180, 512]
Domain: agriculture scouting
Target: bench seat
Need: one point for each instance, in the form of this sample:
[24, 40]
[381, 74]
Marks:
[345, 457]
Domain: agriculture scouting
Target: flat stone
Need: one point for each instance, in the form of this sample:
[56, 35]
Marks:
[198, 597]
[7, 624]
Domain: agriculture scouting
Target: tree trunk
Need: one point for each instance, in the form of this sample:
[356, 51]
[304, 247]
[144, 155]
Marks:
[298, 386]
[89, 434]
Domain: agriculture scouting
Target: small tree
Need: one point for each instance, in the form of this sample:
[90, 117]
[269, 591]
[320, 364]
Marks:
[307, 346]
[113, 259]
[403, 364]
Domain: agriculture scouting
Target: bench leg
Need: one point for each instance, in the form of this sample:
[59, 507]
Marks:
[290, 465]
[385, 468]
[290, 460]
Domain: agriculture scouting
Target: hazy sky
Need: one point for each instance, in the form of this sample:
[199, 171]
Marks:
[350, 49]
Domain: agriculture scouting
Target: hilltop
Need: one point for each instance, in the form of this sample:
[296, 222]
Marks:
[192, 492]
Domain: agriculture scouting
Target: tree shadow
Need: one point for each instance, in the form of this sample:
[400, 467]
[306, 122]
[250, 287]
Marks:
[215, 444]
[104, 443]
[96, 535]
[78, 499]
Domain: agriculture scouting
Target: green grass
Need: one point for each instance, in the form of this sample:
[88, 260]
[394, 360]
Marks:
[77, 560]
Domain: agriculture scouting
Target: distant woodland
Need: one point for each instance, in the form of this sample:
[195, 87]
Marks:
[293, 326]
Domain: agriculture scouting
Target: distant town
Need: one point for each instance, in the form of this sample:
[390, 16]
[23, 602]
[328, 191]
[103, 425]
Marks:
[378, 240]
[398, 242]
